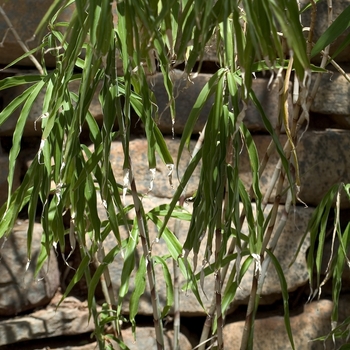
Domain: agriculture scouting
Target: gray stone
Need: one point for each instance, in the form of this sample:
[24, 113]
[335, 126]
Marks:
[145, 340]
[322, 24]
[71, 318]
[33, 122]
[296, 275]
[270, 333]
[334, 89]
[323, 162]
[19, 290]
[25, 16]
[186, 92]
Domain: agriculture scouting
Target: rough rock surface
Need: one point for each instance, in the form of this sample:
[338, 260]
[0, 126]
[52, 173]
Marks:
[32, 11]
[69, 319]
[322, 24]
[146, 339]
[33, 121]
[322, 163]
[333, 91]
[321, 156]
[186, 92]
[19, 291]
[161, 186]
[270, 333]
[296, 275]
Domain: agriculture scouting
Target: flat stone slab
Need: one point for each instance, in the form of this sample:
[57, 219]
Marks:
[25, 17]
[145, 340]
[19, 291]
[270, 333]
[322, 156]
[296, 275]
[70, 318]
[321, 24]
[323, 162]
[186, 92]
[33, 121]
[161, 185]
[334, 89]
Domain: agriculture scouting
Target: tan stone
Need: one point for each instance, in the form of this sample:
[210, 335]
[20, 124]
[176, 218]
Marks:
[321, 156]
[296, 275]
[140, 167]
[145, 340]
[270, 333]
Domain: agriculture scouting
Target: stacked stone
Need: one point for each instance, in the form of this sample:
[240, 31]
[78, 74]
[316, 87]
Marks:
[28, 303]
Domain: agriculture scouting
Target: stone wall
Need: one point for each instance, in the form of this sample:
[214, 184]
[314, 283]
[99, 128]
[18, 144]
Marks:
[28, 315]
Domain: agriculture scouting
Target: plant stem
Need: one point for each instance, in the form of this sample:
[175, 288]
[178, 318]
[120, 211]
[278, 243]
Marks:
[177, 315]
[249, 321]
[218, 282]
[107, 290]
[158, 325]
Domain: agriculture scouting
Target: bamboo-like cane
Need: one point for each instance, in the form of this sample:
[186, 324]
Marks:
[158, 325]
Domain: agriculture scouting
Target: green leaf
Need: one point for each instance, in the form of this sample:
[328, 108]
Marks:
[140, 285]
[84, 265]
[285, 295]
[129, 263]
[169, 285]
[18, 80]
[17, 135]
[108, 259]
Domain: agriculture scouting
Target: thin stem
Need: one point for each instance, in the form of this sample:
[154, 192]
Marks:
[158, 325]
[312, 27]
[107, 290]
[249, 321]
[218, 247]
[196, 149]
[177, 314]
[218, 283]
